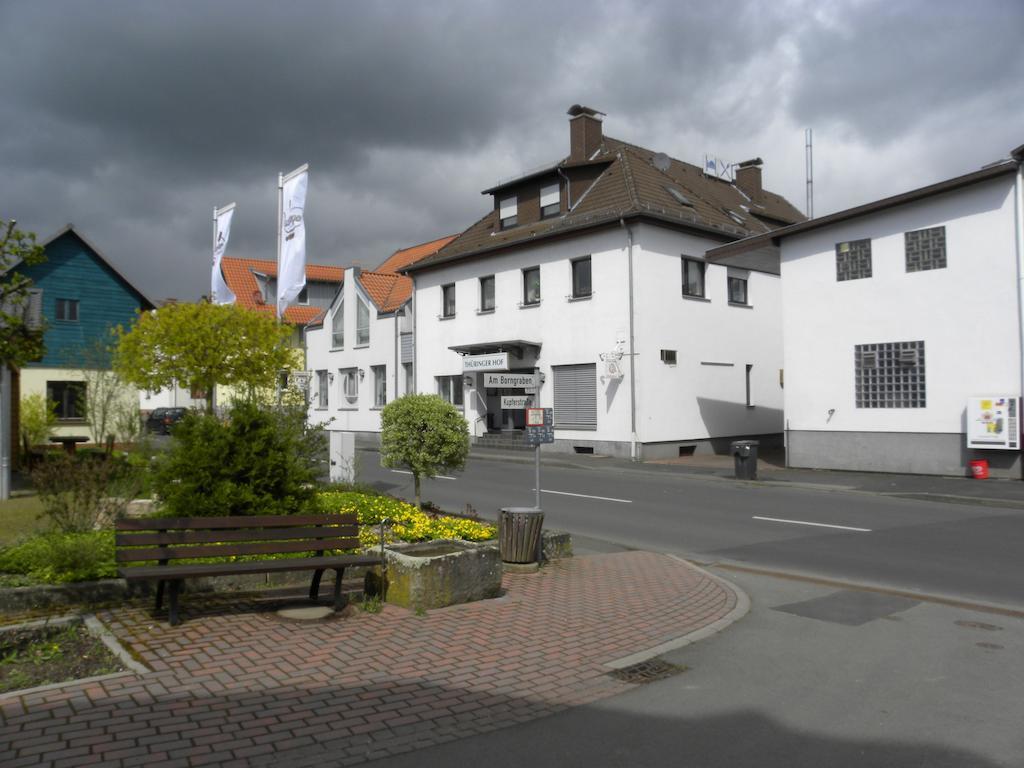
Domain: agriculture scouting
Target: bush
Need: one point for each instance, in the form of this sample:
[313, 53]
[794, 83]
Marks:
[57, 558]
[261, 462]
[407, 522]
[81, 492]
[38, 417]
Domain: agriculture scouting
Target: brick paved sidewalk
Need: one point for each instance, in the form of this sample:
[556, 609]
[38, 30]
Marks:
[241, 686]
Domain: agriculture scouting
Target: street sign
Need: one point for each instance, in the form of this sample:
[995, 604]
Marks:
[540, 426]
[514, 380]
[495, 362]
[515, 402]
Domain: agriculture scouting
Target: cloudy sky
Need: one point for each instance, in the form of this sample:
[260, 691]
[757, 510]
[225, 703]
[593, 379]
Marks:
[134, 118]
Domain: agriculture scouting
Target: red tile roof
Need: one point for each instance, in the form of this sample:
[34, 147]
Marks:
[407, 256]
[238, 274]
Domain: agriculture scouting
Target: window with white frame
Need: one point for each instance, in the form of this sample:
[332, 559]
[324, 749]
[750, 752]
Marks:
[349, 384]
[737, 290]
[450, 389]
[448, 300]
[409, 383]
[362, 322]
[531, 286]
[322, 388]
[693, 277]
[508, 210]
[487, 293]
[581, 283]
[549, 201]
[67, 310]
[380, 385]
[338, 326]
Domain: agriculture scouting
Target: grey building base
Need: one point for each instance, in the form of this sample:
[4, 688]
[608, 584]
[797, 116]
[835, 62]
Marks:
[899, 452]
[668, 449]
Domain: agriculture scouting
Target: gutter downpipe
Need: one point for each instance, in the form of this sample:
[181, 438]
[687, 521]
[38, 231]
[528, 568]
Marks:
[1019, 217]
[632, 357]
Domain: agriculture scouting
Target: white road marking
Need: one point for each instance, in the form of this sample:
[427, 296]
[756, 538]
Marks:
[435, 477]
[584, 496]
[817, 525]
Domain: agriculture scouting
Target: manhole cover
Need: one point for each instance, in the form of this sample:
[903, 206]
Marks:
[647, 671]
[977, 625]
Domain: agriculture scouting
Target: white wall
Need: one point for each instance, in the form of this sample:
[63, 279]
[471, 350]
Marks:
[967, 313]
[341, 413]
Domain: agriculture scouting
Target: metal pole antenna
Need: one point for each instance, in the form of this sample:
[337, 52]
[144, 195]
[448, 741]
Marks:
[536, 472]
[809, 161]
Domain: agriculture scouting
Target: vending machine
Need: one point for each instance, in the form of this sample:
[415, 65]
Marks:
[993, 422]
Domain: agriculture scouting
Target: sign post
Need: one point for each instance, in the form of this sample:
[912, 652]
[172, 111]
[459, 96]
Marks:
[540, 428]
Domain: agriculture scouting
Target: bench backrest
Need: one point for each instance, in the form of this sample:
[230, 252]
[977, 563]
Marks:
[174, 538]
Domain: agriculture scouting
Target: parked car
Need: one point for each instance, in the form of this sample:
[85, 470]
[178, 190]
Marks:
[161, 420]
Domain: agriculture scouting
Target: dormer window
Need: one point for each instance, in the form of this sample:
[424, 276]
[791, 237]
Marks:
[508, 210]
[549, 201]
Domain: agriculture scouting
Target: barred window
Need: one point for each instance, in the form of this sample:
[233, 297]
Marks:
[853, 260]
[890, 375]
[925, 249]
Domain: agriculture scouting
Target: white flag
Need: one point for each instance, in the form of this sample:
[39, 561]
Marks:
[220, 293]
[291, 265]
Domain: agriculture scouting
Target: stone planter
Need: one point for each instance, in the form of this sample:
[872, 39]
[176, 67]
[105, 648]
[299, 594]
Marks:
[433, 574]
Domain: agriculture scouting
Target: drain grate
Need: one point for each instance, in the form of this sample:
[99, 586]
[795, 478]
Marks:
[647, 671]
[978, 625]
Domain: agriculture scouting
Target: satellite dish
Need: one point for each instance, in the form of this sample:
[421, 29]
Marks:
[661, 161]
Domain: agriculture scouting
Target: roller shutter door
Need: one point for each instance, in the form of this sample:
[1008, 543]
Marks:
[575, 396]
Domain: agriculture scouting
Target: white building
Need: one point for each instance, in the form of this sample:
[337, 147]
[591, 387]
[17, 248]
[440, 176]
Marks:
[359, 351]
[591, 273]
[894, 314]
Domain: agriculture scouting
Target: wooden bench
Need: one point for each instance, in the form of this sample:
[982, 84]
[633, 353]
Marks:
[169, 539]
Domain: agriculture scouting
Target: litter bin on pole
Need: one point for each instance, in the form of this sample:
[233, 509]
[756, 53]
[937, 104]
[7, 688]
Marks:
[744, 454]
[519, 540]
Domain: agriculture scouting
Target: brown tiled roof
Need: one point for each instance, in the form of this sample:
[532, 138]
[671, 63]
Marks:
[408, 256]
[388, 290]
[630, 186]
[238, 274]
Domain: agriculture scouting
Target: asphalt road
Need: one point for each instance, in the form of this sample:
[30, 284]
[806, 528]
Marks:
[965, 550]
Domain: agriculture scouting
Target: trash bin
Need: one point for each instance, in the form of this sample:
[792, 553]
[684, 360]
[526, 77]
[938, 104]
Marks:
[744, 454]
[519, 539]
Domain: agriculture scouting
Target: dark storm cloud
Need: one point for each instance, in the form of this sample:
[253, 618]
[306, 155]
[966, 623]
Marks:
[133, 119]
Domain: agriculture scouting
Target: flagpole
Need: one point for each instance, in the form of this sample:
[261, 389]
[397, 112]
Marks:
[280, 223]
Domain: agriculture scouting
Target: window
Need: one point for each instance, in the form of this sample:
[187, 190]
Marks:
[549, 202]
[693, 277]
[749, 368]
[380, 386]
[668, 356]
[581, 285]
[338, 326]
[853, 260]
[67, 310]
[890, 375]
[321, 389]
[507, 212]
[349, 383]
[448, 300]
[409, 384]
[69, 397]
[362, 322]
[925, 249]
[575, 396]
[737, 290]
[303, 297]
[487, 293]
[531, 286]
[450, 389]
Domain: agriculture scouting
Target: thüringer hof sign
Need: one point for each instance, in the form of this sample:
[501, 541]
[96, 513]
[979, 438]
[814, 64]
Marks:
[496, 362]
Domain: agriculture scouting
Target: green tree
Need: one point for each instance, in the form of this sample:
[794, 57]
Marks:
[37, 417]
[201, 345]
[106, 394]
[424, 434]
[21, 337]
[262, 461]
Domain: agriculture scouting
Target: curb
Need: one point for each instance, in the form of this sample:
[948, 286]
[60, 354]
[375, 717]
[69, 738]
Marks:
[740, 610]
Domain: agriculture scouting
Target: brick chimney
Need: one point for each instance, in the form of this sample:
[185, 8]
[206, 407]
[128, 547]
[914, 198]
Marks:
[585, 135]
[748, 178]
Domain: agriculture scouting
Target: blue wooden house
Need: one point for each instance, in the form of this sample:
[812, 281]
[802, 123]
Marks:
[82, 297]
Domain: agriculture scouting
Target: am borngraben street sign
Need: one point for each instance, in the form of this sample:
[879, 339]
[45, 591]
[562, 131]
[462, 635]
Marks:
[495, 362]
[513, 380]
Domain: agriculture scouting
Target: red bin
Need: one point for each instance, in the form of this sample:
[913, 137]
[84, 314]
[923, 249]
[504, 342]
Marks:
[979, 469]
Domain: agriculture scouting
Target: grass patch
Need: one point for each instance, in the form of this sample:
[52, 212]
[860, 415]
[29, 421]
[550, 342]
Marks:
[19, 516]
[52, 655]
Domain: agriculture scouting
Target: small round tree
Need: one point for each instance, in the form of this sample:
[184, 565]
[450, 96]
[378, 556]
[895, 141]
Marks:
[424, 434]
